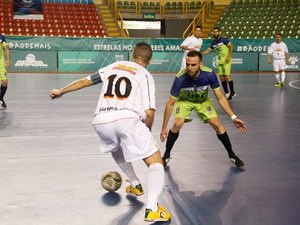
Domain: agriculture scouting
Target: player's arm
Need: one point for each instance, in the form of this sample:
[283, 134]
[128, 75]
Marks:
[287, 58]
[186, 48]
[74, 86]
[167, 114]
[240, 125]
[77, 85]
[7, 52]
[269, 58]
[149, 118]
[231, 47]
[207, 51]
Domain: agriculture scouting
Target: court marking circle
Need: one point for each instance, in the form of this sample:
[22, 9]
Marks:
[292, 84]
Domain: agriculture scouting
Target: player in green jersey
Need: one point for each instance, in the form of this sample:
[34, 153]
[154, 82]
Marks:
[224, 48]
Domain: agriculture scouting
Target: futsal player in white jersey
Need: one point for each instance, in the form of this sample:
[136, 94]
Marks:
[123, 120]
[280, 56]
[191, 43]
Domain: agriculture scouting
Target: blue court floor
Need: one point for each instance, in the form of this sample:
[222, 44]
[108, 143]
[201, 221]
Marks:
[50, 162]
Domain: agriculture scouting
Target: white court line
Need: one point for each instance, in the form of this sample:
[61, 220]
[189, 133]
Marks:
[292, 85]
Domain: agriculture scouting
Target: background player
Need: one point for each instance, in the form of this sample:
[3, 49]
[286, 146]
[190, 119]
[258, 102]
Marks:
[280, 55]
[3, 72]
[224, 48]
[123, 119]
[190, 92]
[191, 43]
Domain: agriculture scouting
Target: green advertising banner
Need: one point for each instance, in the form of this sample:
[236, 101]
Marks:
[165, 62]
[33, 61]
[87, 61]
[90, 44]
[294, 58]
[92, 61]
[126, 44]
[240, 61]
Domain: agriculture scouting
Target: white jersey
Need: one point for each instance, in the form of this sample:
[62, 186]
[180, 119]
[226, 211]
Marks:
[278, 50]
[128, 90]
[190, 42]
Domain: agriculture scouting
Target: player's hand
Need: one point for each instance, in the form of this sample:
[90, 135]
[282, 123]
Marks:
[163, 134]
[8, 63]
[240, 125]
[269, 62]
[55, 93]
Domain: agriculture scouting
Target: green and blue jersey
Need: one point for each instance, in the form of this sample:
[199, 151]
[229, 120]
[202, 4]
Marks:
[186, 89]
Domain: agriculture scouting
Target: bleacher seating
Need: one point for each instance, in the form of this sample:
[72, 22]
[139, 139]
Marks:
[61, 18]
[261, 19]
[167, 6]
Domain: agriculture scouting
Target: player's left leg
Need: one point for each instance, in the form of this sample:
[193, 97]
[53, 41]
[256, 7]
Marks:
[134, 188]
[228, 78]
[4, 84]
[224, 138]
[282, 67]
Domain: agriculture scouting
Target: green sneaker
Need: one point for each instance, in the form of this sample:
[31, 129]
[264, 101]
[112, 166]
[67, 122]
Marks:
[135, 191]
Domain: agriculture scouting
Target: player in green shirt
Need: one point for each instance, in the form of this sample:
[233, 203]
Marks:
[3, 65]
[224, 48]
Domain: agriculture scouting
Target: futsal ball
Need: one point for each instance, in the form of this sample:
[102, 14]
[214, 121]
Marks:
[111, 181]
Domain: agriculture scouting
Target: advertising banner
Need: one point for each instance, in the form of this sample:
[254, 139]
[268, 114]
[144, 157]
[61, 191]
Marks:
[294, 58]
[90, 44]
[87, 61]
[33, 61]
[240, 61]
[165, 62]
[28, 9]
[122, 44]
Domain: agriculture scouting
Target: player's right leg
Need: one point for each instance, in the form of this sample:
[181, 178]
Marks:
[182, 115]
[276, 70]
[171, 139]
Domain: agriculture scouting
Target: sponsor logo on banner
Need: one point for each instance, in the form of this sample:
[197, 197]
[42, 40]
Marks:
[294, 62]
[30, 61]
[238, 61]
[119, 58]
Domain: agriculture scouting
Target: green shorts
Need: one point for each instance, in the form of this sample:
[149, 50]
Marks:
[224, 69]
[205, 110]
[3, 75]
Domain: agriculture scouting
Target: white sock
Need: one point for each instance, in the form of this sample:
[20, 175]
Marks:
[156, 179]
[277, 76]
[283, 76]
[126, 167]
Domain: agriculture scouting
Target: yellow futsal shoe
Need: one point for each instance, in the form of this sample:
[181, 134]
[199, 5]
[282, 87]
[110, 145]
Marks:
[135, 191]
[160, 215]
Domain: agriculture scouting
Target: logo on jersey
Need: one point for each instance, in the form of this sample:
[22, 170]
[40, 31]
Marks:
[30, 61]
